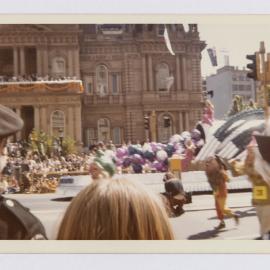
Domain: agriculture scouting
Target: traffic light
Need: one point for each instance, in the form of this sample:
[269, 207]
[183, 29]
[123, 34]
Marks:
[167, 121]
[252, 66]
[146, 122]
[210, 93]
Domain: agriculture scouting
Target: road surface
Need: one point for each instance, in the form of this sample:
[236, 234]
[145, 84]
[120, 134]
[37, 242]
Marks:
[197, 222]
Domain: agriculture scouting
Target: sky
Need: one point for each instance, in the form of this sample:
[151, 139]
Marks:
[238, 39]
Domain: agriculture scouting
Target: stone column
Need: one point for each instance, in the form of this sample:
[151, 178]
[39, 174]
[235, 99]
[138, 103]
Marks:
[184, 73]
[144, 78]
[15, 61]
[19, 133]
[44, 126]
[178, 75]
[70, 63]
[36, 117]
[150, 73]
[22, 61]
[45, 62]
[78, 124]
[187, 120]
[76, 63]
[181, 122]
[39, 61]
[71, 127]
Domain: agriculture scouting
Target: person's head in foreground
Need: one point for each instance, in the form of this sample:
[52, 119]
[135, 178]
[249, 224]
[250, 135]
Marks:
[115, 209]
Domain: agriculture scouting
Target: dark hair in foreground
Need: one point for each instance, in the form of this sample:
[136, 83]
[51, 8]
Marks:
[115, 209]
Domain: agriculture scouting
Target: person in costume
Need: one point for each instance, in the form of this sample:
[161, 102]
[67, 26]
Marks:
[208, 113]
[217, 177]
[175, 194]
[257, 167]
[102, 167]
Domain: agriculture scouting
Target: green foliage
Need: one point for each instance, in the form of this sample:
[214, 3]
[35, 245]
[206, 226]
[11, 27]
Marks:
[238, 105]
[68, 146]
[43, 144]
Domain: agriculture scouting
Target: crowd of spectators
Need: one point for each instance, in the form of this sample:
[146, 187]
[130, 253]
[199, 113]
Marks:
[30, 171]
[35, 78]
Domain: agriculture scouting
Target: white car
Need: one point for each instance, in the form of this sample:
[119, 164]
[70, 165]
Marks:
[70, 185]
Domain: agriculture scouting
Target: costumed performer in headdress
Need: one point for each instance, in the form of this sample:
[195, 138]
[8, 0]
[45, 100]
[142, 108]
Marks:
[217, 176]
[257, 167]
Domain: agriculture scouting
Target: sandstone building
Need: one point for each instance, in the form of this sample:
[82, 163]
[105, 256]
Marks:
[125, 70]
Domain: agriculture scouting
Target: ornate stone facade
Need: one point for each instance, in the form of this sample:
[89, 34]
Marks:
[42, 104]
[135, 58]
[125, 69]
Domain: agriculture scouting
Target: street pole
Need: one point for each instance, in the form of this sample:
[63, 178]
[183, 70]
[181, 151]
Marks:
[263, 76]
[153, 126]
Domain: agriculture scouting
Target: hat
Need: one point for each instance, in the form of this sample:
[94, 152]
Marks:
[264, 146]
[10, 122]
[221, 162]
[106, 164]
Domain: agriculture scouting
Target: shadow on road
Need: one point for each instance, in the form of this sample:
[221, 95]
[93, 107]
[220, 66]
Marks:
[206, 235]
[242, 214]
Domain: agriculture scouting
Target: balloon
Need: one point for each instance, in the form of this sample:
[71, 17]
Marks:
[146, 147]
[200, 143]
[161, 155]
[137, 159]
[159, 166]
[169, 149]
[149, 155]
[195, 134]
[186, 135]
[137, 168]
[154, 146]
[127, 162]
[178, 147]
[119, 162]
[121, 152]
[176, 138]
[132, 150]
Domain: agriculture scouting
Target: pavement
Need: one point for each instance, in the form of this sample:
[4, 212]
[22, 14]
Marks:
[197, 222]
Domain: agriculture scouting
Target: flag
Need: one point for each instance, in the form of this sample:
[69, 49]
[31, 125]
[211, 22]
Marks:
[167, 41]
[213, 56]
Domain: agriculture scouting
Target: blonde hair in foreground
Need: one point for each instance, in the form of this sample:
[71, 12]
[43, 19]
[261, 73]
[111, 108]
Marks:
[115, 209]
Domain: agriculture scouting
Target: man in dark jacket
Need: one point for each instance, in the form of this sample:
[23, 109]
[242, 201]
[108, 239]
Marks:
[16, 221]
[175, 193]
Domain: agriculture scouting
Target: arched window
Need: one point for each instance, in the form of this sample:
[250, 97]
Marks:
[165, 127]
[59, 66]
[102, 80]
[104, 130]
[162, 76]
[90, 137]
[58, 123]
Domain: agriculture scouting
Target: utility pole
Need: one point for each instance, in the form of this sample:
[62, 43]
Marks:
[263, 71]
[153, 126]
